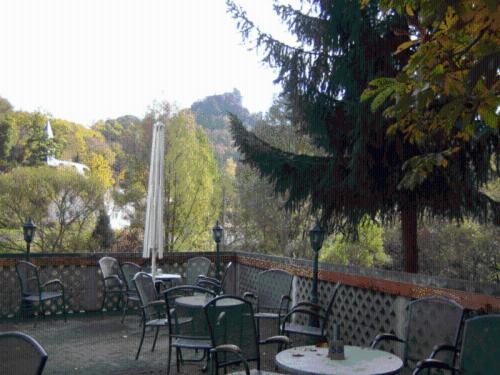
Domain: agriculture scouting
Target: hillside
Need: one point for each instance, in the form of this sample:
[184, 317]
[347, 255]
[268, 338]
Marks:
[211, 114]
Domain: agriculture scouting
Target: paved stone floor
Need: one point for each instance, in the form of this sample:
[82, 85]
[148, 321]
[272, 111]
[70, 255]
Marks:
[102, 345]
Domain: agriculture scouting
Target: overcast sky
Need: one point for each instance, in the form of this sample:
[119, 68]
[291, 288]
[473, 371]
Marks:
[84, 60]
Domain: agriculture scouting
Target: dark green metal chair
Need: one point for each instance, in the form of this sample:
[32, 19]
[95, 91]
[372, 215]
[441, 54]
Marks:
[301, 316]
[114, 281]
[195, 267]
[153, 307]
[129, 270]
[216, 285]
[34, 293]
[479, 353]
[273, 295]
[21, 354]
[187, 323]
[234, 335]
[431, 321]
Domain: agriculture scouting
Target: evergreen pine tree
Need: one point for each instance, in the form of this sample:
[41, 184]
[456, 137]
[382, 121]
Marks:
[341, 48]
[103, 234]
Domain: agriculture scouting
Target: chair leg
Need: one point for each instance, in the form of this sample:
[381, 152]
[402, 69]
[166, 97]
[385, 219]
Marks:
[156, 337]
[42, 309]
[142, 340]
[125, 304]
[103, 302]
[178, 359]
[120, 301]
[64, 308]
[37, 312]
[169, 354]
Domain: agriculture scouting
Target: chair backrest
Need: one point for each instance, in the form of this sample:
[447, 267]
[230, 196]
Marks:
[28, 277]
[231, 321]
[228, 270]
[129, 270]
[431, 321]
[272, 285]
[21, 354]
[146, 290]
[480, 352]
[109, 267]
[329, 308]
[179, 313]
[196, 266]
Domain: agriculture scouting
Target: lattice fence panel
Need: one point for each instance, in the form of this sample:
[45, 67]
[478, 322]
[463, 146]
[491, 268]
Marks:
[83, 287]
[9, 292]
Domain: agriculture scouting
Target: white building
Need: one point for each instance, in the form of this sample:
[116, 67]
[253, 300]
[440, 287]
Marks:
[53, 162]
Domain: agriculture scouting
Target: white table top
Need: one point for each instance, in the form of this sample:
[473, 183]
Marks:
[166, 276]
[305, 360]
[200, 300]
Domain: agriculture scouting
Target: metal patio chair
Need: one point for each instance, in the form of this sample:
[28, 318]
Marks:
[187, 324]
[431, 321]
[480, 350]
[21, 354]
[273, 295]
[114, 281]
[234, 335]
[34, 293]
[195, 267]
[218, 286]
[129, 271]
[152, 306]
[301, 316]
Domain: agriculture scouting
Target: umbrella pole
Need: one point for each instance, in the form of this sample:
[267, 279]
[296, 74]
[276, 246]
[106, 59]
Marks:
[153, 264]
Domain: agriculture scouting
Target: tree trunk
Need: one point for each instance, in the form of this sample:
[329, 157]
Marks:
[409, 235]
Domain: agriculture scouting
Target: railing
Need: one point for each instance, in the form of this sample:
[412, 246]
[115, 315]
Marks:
[370, 301]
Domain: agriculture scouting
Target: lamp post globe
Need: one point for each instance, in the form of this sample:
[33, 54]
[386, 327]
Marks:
[218, 233]
[316, 236]
[29, 229]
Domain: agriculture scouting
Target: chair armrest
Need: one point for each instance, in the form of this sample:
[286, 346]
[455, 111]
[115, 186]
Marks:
[114, 277]
[385, 336]
[276, 340]
[233, 349]
[207, 282]
[303, 311]
[307, 304]
[53, 282]
[212, 279]
[249, 295]
[154, 303]
[442, 347]
[433, 363]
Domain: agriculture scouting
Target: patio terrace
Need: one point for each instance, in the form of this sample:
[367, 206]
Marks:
[90, 342]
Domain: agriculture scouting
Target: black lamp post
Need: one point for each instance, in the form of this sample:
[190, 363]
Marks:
[316, 235]
[218, 232]
[29, 229]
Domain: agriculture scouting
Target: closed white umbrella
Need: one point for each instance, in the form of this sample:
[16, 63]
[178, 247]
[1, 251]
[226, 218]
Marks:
[153, 229]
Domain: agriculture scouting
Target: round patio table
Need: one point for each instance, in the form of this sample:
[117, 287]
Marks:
[166, 276]
[200, 300]
[304, 360]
